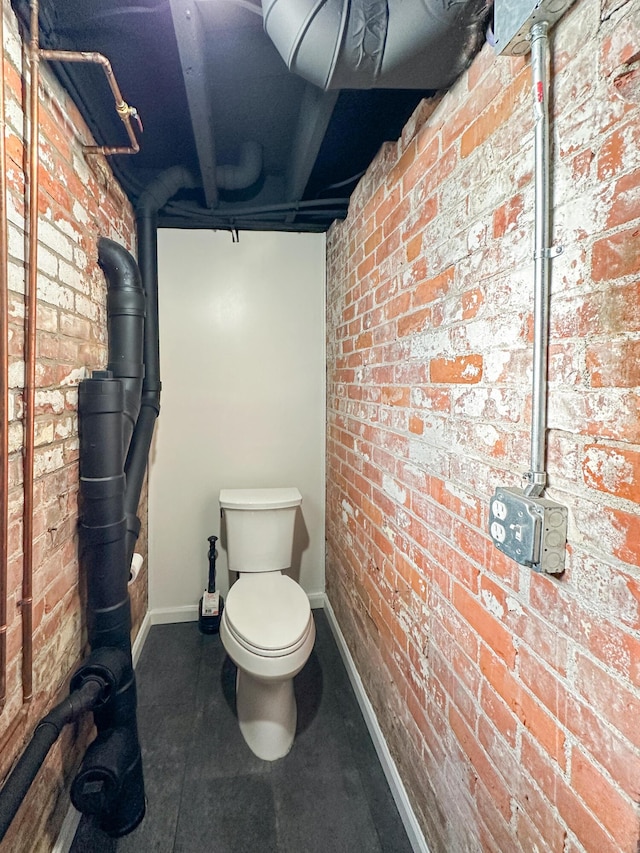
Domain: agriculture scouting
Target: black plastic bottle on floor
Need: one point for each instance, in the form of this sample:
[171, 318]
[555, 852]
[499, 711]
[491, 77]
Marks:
[211, 603]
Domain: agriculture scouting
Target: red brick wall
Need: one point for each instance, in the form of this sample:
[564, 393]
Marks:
[79, 201]
[509, 699]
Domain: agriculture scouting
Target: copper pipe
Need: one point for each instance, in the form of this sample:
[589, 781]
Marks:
[4, 390]
[26, 604]
[124, 110]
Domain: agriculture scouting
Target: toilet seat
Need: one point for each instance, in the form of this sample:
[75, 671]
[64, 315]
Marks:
[268, 614]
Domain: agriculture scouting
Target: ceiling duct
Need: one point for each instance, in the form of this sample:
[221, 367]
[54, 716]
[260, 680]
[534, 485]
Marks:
[365, 44]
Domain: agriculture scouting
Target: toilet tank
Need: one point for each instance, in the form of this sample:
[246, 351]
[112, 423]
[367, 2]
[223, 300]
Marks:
[260, 526]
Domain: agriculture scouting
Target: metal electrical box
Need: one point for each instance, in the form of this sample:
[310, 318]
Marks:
[513, 19]
[532, 531]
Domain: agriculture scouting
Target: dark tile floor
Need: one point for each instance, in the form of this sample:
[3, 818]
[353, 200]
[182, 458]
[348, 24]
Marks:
[206, 790]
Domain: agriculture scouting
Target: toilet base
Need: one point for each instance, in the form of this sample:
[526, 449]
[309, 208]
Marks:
[267, 714]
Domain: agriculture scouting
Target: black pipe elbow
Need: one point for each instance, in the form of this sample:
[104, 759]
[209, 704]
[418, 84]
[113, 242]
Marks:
[110, 666]
[109, 784]
[126, 309]
[88, 695]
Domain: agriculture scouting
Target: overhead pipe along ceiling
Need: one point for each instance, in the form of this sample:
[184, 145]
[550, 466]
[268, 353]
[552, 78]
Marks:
[190, 37]
[216, 83]
[364, 44]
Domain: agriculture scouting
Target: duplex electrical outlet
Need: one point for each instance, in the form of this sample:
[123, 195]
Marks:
[532, 531]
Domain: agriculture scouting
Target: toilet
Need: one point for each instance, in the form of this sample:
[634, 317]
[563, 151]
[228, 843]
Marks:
[267, 627]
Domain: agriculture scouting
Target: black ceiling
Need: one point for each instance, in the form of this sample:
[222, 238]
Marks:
[205, 79]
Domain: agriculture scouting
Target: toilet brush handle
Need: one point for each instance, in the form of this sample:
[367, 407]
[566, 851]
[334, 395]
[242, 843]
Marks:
[212, 563]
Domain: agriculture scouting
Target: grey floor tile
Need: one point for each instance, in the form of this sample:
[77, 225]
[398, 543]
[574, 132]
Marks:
[322, 813]
[206, 790]
[170, 679]
[236, 816]
[165, 734]
[89, 839]
[217, 750]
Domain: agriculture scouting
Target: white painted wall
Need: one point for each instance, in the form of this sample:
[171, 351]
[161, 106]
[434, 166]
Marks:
[242, 339]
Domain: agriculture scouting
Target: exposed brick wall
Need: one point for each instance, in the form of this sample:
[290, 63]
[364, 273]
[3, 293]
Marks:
[509, 699]
[79, 201]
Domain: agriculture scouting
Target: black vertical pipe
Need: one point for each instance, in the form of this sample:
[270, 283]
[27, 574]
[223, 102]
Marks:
[125, 326]
[136, 464]
[102, 522]
[155, 196]
[110, 782]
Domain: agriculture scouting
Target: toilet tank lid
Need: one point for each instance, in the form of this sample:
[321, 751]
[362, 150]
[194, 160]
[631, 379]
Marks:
[260, 498]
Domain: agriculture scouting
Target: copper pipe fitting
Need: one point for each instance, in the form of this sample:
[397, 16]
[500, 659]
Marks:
[123, 109]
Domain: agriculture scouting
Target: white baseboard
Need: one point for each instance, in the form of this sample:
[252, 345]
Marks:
[170, 615]
[140, 639]
[317, 600]
[67, 831]
[398, 791]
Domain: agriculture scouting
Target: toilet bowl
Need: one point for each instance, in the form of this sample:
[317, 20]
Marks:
[267, 627]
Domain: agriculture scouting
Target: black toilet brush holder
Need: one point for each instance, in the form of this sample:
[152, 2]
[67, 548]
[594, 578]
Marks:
[211, 604]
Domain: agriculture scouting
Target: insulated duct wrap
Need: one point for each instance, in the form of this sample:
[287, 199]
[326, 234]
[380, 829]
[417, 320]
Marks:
[365, 44]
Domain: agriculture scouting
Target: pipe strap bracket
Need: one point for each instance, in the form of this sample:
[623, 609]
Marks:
[548, 254]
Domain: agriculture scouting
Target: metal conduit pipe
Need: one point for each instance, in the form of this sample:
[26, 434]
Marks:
[536, 477]
[364, 44]
[4, 390]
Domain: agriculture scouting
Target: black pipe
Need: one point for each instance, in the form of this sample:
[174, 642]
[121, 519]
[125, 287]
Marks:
[125, 326]
[110, 782]
[155, 196]
[102, 522]
[85, 698]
